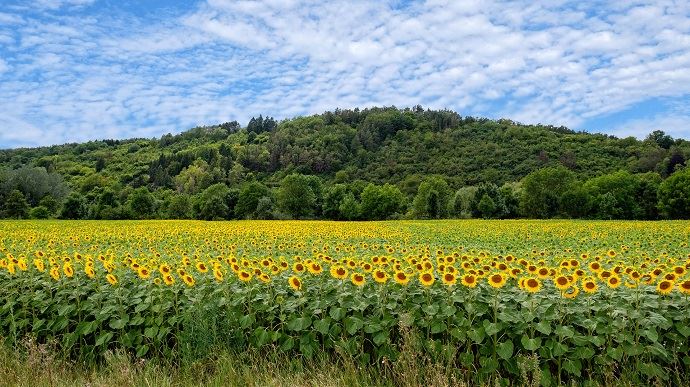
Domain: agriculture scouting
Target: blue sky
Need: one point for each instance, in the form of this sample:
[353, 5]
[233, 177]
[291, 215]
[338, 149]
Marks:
[76, 70]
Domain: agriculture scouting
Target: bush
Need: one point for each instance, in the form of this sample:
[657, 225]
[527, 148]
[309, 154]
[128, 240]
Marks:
[39, 212]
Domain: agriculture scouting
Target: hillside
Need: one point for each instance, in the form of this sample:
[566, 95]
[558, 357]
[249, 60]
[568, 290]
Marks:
[379, 145]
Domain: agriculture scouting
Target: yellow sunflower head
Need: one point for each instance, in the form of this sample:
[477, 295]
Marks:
[426, 279]
[295, 283]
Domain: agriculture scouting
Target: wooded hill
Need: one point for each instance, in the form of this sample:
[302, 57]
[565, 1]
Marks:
[379, 145]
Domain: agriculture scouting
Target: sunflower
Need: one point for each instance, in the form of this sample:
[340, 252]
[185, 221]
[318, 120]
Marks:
[164, 269]
[143, 273]
[561, 282]
[449, 279]
[55, 273]
[427, 279]
[338, 272]
[684, 287]
[40, 266]
[664, 287]
[111, 279]
[188, 280]
[244, 276]
[469, 280]
[89, 272]
[401, 278]
[595, 266]
[295, 283]
[543, 273]
[532, 284]
[218, 275]
[298, 267]
[611, 253]
[168, 280]
[589, 285]
[68, 270]
[497, 280]
[357, 279]
[380, 276]
[571, 292]
[201, 267]
[679, 270]
[265, 278]
[613, 282]
[315, 268]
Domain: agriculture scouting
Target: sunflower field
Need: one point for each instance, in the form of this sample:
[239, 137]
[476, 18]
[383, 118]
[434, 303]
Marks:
[582, 297]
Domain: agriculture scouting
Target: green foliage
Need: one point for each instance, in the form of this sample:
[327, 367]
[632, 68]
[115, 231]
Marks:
[486, 207]
[432, 198]
[39, 212]
[383, 145]
[614, 196]
[542, 191]
[381, 202]
[350, 208]
[34, 183]
[142, 203]
[180, 207]
[213, 203]
[247, 206]
[461, 205]
[575, 203]
[194, 178]
[296, 196]
[332, 199]
[674, 195]
[16, 206]
[74, 207]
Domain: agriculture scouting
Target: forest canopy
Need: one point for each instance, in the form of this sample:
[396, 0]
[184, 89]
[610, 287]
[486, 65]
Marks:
[370, 164]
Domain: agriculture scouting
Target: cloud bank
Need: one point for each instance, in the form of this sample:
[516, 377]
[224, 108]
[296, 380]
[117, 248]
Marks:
[73, 70]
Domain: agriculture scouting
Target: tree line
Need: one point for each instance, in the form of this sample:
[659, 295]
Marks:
[552, 192]
[370, 164]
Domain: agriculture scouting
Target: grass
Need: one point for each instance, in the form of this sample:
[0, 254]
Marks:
[37, 365]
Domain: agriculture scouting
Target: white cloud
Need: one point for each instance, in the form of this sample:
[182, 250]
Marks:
[676, 126]
[56, 4]
[104, 75]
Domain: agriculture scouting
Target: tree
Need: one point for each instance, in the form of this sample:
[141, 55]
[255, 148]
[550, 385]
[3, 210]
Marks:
[16, 206]
[432, 198]
[660, 138]
[461, 206]
[180, 207]
[542, 191]
[39, 212]
[486, 206]
[674, 195]
[332, 198]
[212, 203]
[50, 203]
[34, 183]
[647, 195]
[104, 205]
[74, 207]
[194, 178]
[295, 196]
[350, 208]
[614, 196]
[142, 203]
[381, 202]
[575, 202]
[264, 208]
[248, 200]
